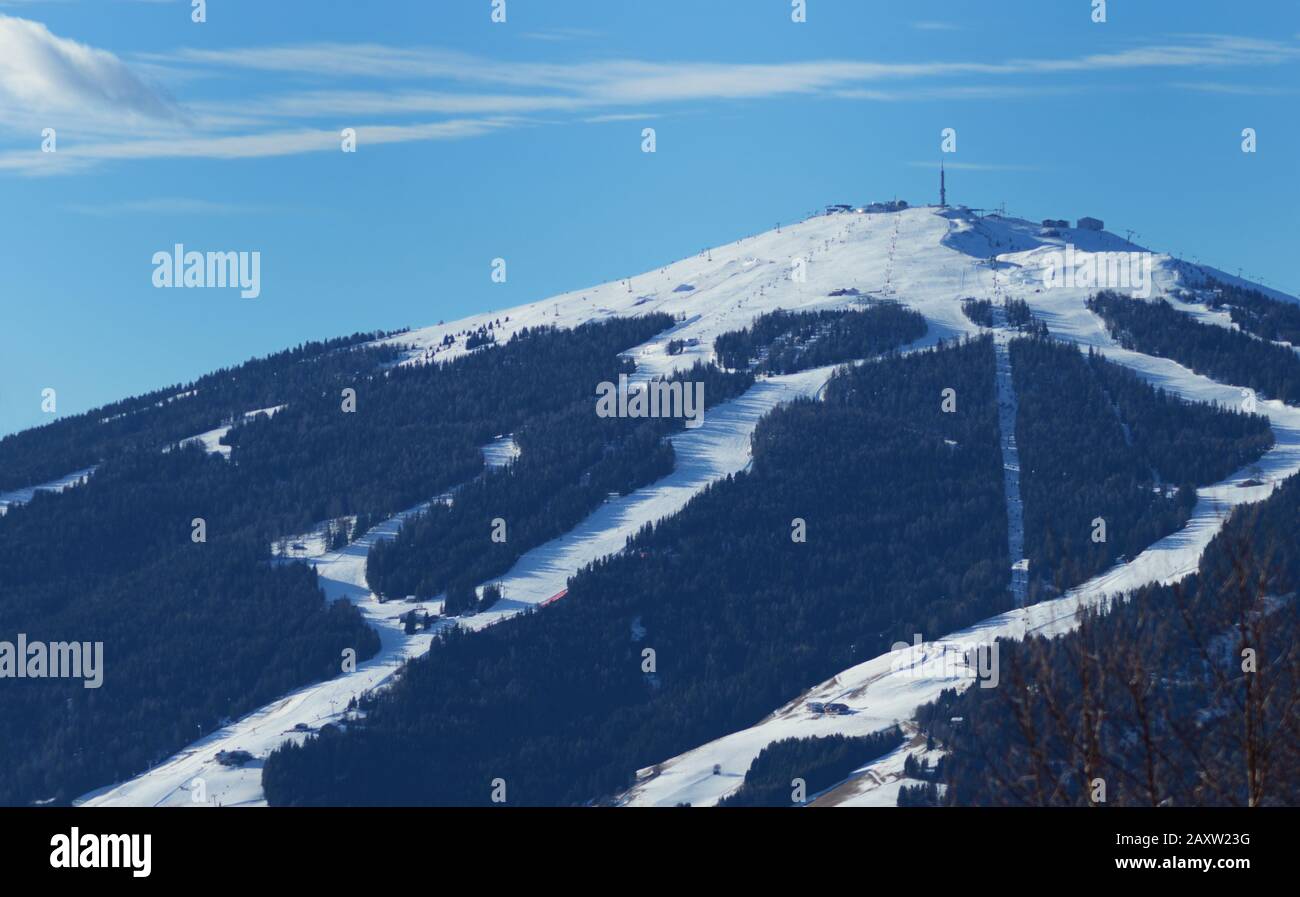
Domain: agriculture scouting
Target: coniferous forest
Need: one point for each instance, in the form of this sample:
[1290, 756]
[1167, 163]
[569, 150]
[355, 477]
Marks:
[738, 615]
[782, 342]
[1178, 695]
[1229, 356]
[766, 583]
[570, 461]
[164, 554]
[819, 762]
[1256, 313]
[164, 416]
[1110, 464]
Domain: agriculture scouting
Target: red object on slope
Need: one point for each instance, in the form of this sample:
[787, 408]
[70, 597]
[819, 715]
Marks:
[554, 598]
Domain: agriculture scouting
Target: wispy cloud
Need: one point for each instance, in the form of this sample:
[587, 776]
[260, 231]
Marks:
[956, 92]
[43, 74]
[335, 60]
[344, 103]
[245, 146]
[621, 116]
[1249, 90]
[561, 34]
[400, 94]
[170, 205]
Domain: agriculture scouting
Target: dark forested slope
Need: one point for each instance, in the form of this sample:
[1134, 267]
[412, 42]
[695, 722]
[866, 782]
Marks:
[737, 615]
[782, 342]
[1181, 695]
[1110, 464]
[198, 629]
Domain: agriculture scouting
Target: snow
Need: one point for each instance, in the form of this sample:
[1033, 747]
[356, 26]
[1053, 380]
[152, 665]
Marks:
[211, 440]
[705, 454]
[928, 259]
[342, 576]
[887, 689]
[23, 496]
[500, 452]
[877, 783]
[743, 280]
[159, 404]
[719, 447]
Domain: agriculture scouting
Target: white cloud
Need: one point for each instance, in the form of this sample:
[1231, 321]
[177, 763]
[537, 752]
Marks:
[243, 146]
[44, 78]
[342, 103]
[635, 79]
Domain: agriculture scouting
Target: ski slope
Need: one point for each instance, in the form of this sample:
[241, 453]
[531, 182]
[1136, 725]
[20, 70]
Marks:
[211, 439]
[16, 497]
[927, 258]
[731, 285]
[704, 454]
[888, 689]
[342, 576]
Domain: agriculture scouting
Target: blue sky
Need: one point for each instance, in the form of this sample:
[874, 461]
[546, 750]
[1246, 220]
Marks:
[522, 140]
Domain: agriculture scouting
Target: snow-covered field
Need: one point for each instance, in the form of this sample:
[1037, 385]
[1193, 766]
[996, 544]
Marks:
[928, 259]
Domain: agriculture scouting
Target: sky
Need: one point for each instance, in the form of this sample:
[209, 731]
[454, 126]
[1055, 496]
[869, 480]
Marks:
[523, 140]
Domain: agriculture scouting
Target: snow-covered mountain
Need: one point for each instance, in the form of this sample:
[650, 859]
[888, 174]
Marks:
[928, 258]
